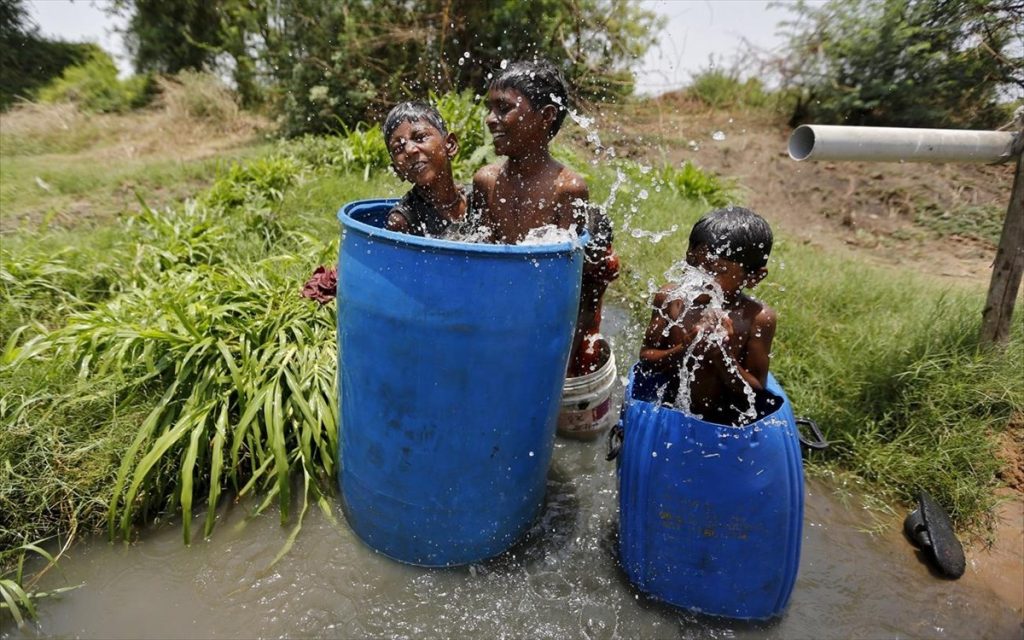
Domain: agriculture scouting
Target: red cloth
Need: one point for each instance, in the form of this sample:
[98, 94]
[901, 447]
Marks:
[322, 286]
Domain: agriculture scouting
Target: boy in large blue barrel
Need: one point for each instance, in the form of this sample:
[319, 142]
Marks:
[527, 102]
[421, 150]
[708, 340]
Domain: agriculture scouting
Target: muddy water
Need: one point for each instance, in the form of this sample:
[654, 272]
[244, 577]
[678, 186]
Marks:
[561, 582]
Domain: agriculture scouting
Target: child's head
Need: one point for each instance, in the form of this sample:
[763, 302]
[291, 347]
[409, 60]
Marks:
[527, 97]
[733, 244]
[420, 146]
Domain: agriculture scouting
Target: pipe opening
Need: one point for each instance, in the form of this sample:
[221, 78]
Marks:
[801, 142]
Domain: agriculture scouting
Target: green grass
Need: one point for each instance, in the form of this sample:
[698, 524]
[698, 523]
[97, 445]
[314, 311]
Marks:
[39, 190]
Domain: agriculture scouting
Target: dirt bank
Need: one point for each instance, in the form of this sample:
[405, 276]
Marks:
[941, 220]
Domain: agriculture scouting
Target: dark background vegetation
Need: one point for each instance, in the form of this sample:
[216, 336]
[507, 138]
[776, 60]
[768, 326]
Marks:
[326, 65]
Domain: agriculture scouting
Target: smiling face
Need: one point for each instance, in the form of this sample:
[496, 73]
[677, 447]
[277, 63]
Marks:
[516, 126]
[419, 153]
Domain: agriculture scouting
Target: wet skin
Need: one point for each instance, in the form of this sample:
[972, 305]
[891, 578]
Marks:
[748, 325]
[530, 189]
[420, 154]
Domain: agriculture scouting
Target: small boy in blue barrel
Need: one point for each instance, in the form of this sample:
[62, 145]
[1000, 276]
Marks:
[708, 341]
[421, 150]
[527, 102]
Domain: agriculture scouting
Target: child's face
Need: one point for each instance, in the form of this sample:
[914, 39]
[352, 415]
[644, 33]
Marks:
[515, 124]
[419, 153]
[731, 276]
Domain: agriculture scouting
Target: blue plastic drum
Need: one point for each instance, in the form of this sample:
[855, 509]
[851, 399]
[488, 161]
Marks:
[711, 516]
[451, 360]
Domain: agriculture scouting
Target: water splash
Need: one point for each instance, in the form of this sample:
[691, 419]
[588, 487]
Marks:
[696, 288]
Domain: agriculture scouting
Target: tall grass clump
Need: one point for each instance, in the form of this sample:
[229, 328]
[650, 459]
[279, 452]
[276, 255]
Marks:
[191, 96]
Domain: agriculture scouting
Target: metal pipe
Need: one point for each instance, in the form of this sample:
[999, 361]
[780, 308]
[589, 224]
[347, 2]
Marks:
[895, 144]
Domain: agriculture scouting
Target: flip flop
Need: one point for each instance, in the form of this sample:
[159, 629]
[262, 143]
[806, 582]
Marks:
[929, 528]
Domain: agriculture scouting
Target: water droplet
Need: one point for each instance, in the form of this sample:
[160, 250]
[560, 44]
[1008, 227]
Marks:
[504, 64]
[531, 454]
[718, 136]
[643, 195]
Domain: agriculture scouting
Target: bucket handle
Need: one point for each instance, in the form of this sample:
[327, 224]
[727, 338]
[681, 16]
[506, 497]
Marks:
[819, 441]
[616, 435]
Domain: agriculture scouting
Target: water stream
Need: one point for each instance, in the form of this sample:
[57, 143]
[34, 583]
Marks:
[561, 582]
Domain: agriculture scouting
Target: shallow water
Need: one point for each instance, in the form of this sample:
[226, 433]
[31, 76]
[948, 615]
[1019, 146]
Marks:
[561, 582]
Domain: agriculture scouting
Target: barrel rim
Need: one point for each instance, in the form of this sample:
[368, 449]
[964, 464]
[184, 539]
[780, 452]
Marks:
[347, 221]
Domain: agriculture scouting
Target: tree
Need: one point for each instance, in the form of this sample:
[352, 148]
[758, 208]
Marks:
[27, 61]
[941, 63]
[340, 62]
[331, 63]
[168, 36]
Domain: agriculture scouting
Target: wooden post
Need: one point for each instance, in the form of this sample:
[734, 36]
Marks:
[1008, 265]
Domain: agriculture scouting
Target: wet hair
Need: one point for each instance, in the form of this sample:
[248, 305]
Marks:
[412, 112]
[542, 84]
[734, 233]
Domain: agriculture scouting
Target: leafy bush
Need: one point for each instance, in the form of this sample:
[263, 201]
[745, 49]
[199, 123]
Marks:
[916, 63]
[720, 89]
[27, 60]
[94, 86]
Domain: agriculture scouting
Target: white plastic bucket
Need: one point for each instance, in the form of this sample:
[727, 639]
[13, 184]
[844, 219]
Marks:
[586, 403]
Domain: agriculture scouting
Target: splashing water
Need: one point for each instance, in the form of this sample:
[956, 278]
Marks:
[695, 287]
[549, 234]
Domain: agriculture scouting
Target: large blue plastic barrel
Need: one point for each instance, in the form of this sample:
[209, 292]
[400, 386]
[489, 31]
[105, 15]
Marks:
[451, 360]
[711, 516]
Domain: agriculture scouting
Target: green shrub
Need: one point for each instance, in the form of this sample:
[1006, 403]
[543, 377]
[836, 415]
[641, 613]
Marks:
[723, 89]
[94, 86]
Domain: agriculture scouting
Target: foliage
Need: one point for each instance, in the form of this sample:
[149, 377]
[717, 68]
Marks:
[905, 62]
[169, 36]
[978, 222]
[94, 86]
[14, 597]
[27, 61]
[720, 89]
[329, 65]
[687, 181]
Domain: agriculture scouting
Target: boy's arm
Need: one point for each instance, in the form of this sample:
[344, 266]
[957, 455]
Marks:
[754, 370]
[659, 349]
[483, 187]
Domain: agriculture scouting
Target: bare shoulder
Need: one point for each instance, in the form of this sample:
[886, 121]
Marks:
[485, 176]
[666, 303]
[571, 184]
[764, 317]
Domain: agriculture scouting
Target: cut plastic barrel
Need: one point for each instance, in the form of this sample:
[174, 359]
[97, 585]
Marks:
[711, 516]
[451, 359]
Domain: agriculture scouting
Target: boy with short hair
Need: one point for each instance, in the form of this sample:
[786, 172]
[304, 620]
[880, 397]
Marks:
[421, 150]
[526, 106]
[527, 103]
[721, 354]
